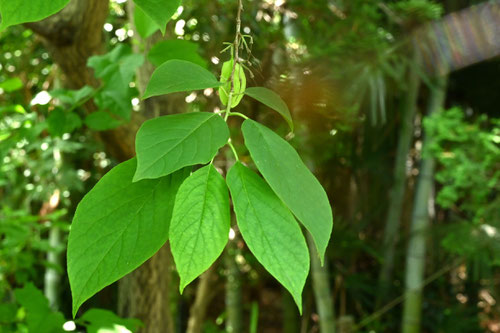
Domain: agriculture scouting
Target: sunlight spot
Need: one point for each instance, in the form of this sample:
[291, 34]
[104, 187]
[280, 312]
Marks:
[179, 27]
[108, 27]
[191, 97]
[42, 98]
[232, 234]
[69, 326]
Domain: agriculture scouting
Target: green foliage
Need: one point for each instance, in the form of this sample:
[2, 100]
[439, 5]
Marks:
[177, 76]
[272, 100]
[22, 247]
[60, 122]
[98, 320]
[117, 226]
[116, 70]
[32, 313]
[290, 179]
[39, 316]
[169, 143]
[19, 11]
[101, 121]
[200, 223]
[179, 49]
[418, 11]
[11, 84]
[469, 157]
[269, 229]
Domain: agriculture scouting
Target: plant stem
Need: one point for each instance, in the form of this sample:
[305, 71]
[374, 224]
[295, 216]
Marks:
[236, 47]
[233, 149]
[238, 114]
[86, 99]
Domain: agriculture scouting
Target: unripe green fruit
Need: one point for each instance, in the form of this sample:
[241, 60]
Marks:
[240, 83]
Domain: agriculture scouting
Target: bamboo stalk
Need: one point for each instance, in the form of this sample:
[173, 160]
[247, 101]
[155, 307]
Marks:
[397, 192]
[415, 259]
[322, 291]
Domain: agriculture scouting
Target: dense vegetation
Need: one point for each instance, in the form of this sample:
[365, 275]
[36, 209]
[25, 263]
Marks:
[179, 167]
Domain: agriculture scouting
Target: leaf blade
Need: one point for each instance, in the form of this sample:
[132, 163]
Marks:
[144, 24]
[178, 76]
[168, 143]
[19, 11]
[160, 11]
[291, 180]
[272, 100]
[179, 49]
[201, 211]
[269, 229]
[98, 249]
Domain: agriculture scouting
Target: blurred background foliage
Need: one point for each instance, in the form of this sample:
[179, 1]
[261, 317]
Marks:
[348, 71]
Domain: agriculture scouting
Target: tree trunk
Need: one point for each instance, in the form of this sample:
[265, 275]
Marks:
[205, 292]
[398, 189]
[415, 260]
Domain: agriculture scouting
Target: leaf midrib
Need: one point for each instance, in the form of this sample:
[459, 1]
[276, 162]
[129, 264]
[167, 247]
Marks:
[175, 145]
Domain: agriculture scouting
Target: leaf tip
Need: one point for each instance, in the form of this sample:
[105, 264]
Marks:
[298, 302]
[75, 309]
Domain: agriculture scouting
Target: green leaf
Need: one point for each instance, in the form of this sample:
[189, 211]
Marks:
[7, 313]
[272, 100]
[269, 229]
[101, 121]
[144, 24]
[160, 11]
[60, 122]
[200, 223]
[11, 84]
[72, 97]
[179, 75]
[39, 316]
[175, 49]
[116, 69]
[22, 11]
[117, 226]
[290, 179]
[100, 320]
[120, 60]
[168, 143]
